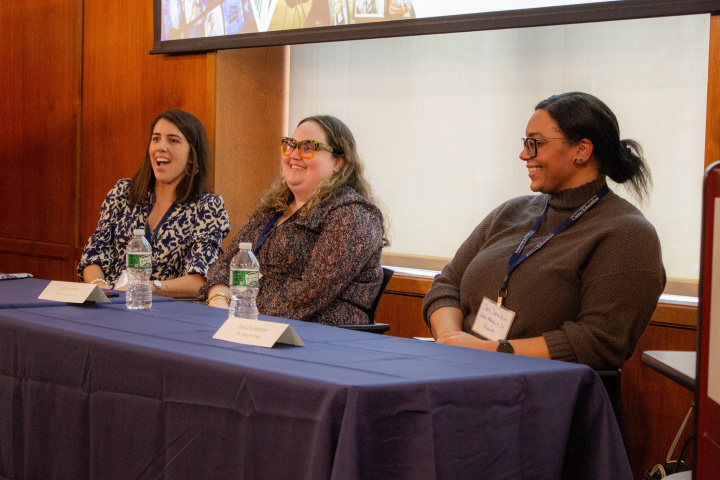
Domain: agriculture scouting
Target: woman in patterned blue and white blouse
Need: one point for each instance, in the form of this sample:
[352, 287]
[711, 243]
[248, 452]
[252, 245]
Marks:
[168, 197]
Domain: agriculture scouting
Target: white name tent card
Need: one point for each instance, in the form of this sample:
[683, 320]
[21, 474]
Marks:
[257, 332]
[72, 292]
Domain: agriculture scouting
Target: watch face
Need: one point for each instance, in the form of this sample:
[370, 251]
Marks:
[505, 347]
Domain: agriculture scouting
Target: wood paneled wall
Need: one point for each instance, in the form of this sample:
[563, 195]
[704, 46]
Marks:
[252, 88]
[40, 114]
[712, 127]
[77, 106]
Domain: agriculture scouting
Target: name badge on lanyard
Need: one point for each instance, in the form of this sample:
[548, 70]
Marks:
[493, 321]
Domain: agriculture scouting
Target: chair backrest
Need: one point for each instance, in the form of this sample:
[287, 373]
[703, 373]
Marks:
[387, 275]
[371, 325]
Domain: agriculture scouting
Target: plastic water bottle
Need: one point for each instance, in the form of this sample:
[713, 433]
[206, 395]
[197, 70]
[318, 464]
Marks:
[244, 282]
[139, 269]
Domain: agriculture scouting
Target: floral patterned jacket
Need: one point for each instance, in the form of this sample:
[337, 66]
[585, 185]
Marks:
[186, 241]
[319, 267]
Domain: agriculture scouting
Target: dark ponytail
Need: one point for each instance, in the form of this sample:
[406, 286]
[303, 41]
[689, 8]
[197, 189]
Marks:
[581, 115]
[631, 168]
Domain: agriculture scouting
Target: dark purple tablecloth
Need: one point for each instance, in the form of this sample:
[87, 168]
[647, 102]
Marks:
[24, 292]
[101, 392]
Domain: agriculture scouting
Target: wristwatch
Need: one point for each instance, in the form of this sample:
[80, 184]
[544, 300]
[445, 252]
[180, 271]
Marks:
[505, 347]
[158, 286]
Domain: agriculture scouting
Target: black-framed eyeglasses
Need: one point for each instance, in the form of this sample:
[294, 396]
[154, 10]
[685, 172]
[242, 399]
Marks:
[307, 147]
[531, 144]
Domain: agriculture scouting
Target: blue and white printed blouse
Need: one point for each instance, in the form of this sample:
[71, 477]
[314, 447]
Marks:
[186, 241]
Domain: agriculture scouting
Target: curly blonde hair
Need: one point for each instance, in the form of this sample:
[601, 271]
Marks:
[341, 139]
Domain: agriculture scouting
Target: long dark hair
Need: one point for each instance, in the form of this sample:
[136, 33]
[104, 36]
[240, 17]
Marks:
[581, 115]
[195, 183]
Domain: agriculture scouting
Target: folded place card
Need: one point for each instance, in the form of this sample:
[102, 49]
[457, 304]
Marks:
[14, 276]
[257, 332]
[73, 292]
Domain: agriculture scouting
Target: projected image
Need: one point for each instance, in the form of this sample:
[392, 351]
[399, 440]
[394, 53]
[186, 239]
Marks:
[263, 12]
[192, 9]
[172, 16]
[188, 19]
[262, 6]
[369, 8]
[339, 12]
[197, 29]
[399, 9]
[183, 19]
[235, 16]
[214, 23]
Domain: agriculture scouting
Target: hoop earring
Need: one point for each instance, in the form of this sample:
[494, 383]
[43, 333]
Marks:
[578, 161]
[186, 169]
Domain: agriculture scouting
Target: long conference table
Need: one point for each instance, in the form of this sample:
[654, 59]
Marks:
[96, 391]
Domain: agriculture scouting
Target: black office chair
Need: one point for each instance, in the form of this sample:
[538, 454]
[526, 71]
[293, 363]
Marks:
[611, 381]
[373, 327]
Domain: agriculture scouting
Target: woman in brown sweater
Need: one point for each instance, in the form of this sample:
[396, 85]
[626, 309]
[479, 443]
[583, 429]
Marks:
[573, 274]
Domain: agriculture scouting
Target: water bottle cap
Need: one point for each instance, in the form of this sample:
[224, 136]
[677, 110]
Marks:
[139, 231]
[245, 246]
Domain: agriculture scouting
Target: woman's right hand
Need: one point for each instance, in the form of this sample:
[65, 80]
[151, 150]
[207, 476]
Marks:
[94, 274]
[446, 325]
[219, 297]
[219, 302]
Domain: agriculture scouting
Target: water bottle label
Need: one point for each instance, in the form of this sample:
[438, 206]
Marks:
[139, 260]
[244, 278]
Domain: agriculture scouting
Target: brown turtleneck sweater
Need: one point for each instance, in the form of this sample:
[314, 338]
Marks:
[590, 291]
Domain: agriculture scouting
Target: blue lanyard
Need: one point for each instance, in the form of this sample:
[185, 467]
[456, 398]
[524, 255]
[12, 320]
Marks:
[266, 232]
[516, 259]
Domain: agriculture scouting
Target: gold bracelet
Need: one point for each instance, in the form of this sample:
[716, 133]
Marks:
[216, 295]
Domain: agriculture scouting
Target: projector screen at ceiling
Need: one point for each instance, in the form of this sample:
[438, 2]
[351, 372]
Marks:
[206, 25]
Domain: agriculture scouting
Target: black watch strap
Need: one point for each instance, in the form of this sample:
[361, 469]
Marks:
[505, 347]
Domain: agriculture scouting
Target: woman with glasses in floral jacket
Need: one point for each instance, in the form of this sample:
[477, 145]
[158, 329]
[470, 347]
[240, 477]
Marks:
[317, 233]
